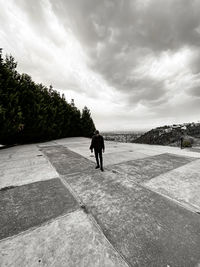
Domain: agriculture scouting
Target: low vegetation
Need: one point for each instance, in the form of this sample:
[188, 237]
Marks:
[172, 134]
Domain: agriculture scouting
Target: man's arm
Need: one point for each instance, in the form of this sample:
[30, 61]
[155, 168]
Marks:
[92, 144]
[103, 146]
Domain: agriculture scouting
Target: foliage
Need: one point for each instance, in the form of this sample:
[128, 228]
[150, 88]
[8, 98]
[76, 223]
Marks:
[187, 143]
[31, 112]
[87, 124]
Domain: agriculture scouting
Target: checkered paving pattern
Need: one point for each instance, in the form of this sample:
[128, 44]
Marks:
[57, 210]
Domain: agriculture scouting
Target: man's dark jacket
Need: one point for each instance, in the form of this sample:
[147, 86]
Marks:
[97, 143]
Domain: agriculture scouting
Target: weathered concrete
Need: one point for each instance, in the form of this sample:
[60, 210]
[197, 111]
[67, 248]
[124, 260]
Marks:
[146, 228]
[182, 184]
[81, 146]
[118, 157]
[142, 170]
[71, 241]
[66, 161]
[73, 140]
[24, 164]
[30, 205]
[26, 174]
[19, 152]
[114, 153]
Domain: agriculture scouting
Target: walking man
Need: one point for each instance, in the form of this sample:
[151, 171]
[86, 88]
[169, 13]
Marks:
[98, 145]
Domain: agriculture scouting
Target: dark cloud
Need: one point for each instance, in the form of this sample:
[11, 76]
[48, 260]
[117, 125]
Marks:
[34, 10]
[147, 92]
[117, 35]
[195, 91]
[142, 56]
[160, 25]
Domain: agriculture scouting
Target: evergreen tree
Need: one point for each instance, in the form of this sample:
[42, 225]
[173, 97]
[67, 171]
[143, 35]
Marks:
[31, 112]
[87, 123]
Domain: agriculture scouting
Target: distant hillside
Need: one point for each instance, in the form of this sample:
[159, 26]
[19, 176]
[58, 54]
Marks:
[123, 136]
[170, 135]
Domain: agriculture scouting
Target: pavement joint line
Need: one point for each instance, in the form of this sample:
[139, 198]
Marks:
[25, 182]
[114, 171]
[8, 187]
[140, 185]
[135, 159]
[195, 159]
[48, 161]
[10, 160]
[91, 217]
[76, 152]
[121, 151]
[42, 144]
[175, 152]
[71, 191]
[67, 149]
[84, 208]
[33, 228]
[186, 206]
[21, 167]
[71, 174]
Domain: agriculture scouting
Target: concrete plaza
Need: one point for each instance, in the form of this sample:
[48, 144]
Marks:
[57, 210]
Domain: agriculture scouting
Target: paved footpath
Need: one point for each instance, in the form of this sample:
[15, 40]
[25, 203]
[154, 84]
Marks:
[57, 210]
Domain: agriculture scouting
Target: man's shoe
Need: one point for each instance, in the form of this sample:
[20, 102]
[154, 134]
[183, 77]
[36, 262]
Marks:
[97, 167]
[102, 169]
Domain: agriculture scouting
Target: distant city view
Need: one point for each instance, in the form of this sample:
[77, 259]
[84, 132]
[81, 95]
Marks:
[122, 136]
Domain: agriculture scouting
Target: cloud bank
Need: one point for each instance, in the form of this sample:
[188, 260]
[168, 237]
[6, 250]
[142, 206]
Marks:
[135, 64]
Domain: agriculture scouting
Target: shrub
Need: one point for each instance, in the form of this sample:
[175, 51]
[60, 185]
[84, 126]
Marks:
[187, 143]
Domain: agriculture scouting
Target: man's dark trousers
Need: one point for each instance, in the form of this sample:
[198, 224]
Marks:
[98, 155]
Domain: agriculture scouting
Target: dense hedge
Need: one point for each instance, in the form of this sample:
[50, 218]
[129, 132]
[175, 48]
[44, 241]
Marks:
[31, 112]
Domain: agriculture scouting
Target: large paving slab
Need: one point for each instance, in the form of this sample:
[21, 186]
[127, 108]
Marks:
[118, 157]
[73, 140]
[18, 152]
[146, 228]
[72, 241]
[32, 204]
[142, 170]
[144, 148]
[181, 184]
[66, 161]
[25, 172]
[114, 153]
[81, 145]
[23, 163]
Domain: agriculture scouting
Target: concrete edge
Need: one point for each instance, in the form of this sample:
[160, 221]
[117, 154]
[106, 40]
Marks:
[184, 205]
[31, 229]
[92, 219]
[121, 257]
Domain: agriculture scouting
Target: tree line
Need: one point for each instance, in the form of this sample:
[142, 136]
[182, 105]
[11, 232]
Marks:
[31, 112]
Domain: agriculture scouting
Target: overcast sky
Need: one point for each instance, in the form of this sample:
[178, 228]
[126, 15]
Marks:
[134, 64]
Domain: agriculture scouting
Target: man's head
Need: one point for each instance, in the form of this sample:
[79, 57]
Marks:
[96, 132]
